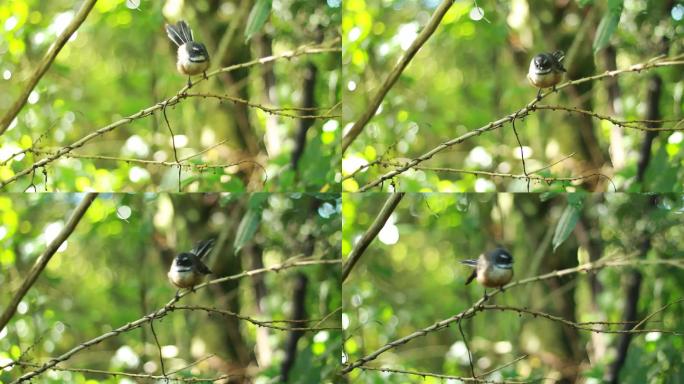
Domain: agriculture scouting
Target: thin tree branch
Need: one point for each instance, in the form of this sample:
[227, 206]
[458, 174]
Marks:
[393, 76]
[583, 327]
[371, 232]
[259, 323]
[446, 377]
[162, 312]
[304, 50]
[136, 375]
[524, 111]
[45, 63]
[478, 306]
[44, 258]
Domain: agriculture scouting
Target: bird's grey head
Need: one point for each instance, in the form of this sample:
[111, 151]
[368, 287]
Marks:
[542, 62]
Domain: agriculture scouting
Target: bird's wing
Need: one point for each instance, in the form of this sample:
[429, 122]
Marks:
[559, 56]
[201, 267]
[202, 248]
[175, 35]
[185, 30]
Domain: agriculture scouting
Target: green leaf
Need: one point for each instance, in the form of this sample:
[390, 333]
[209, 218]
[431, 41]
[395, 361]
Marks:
[565, 225]
[250, 222]
[257, 17]
[608, 24]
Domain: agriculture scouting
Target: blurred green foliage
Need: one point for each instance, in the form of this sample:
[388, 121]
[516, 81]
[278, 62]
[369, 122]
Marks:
[112, 270]
[472, 71]
[410, 277]
[120, 62]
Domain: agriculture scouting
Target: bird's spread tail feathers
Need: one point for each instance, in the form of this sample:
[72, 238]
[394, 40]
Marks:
[202, 248]
[470, 262]
[179, 33]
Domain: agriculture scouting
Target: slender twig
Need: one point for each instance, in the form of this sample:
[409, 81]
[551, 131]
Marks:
[370, 233]
[323, 320]
[136, 375]
[173, 144]
[394, 74]
[630, 124]
[470, 355]
[271, 110]
[580, 326]
[161, 357]
[522, 155]
[530, 176]
[45, 63]
[447, 377]
[45, 257]
[505, 365]
[265, 324]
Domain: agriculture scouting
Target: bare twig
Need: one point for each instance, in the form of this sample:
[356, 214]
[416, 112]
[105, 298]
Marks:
[259, 323]
[447, 377]
[529, 176]
[271, 110]
[631, 124]
[581, 326]
[136, 375]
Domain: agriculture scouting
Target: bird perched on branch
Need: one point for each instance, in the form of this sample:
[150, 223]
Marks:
[193, 57]
[493, 269]
[546, 70]
[187, 269]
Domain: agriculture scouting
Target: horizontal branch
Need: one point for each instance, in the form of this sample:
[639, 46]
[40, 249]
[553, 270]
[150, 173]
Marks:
[581, 326]
[270, 110]
[529, 176]
[137, 375]
[447, 377]
[259, 323]
[165, 310]
[629, 124]
[470, 312]
[183, 163]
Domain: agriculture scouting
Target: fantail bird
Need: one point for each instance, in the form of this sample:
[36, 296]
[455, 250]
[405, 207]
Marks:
[193, 57]
[187, 269]
[493, 269]
[546, 70]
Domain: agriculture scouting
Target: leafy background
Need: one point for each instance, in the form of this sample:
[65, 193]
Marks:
[410, 277]
[472, 71]
[121, 61]
[112, 270]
